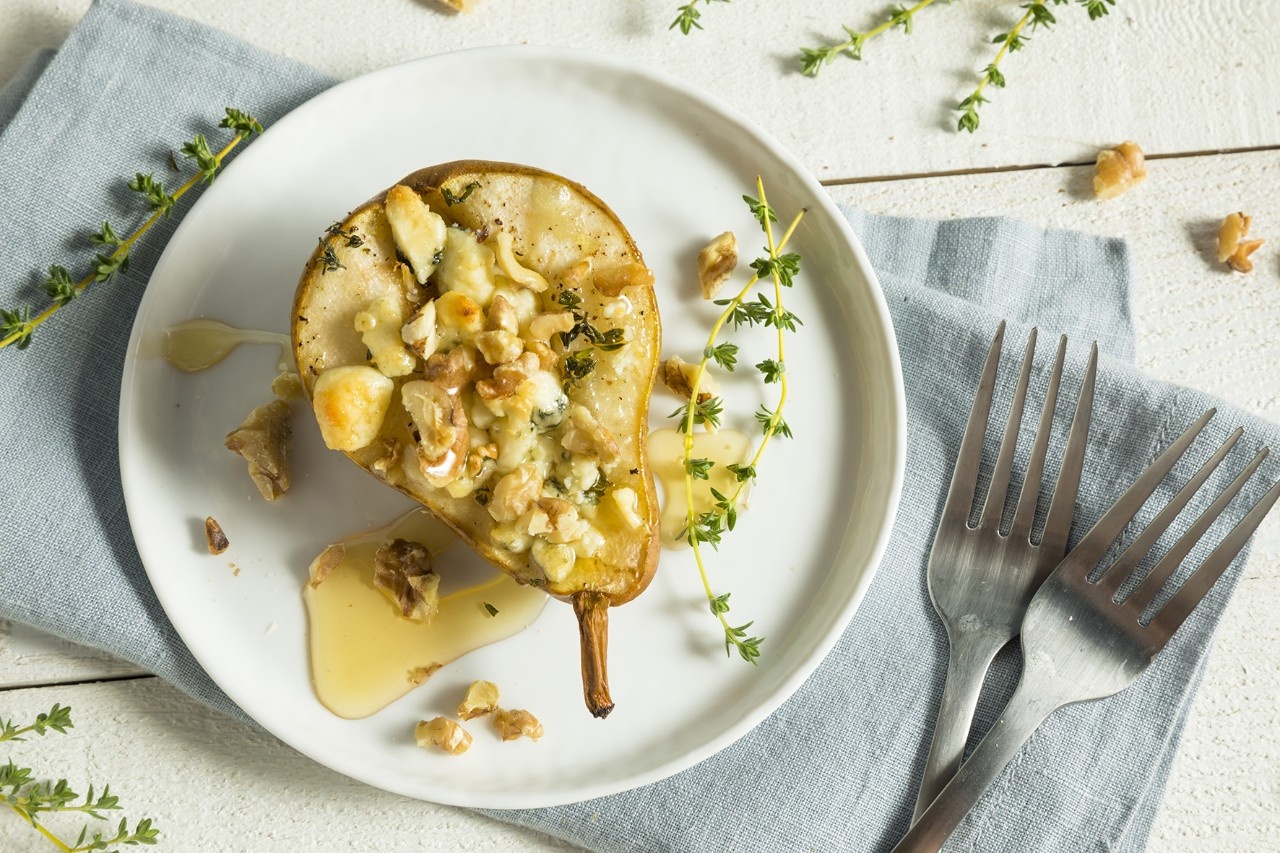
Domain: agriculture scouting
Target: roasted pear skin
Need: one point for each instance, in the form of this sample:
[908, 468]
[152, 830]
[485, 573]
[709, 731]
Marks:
[436, 450]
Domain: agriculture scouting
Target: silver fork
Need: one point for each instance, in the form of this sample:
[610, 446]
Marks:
[1078, 643]
[980, 580]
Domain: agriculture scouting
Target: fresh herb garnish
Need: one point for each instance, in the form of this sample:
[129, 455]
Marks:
[329, 258]
[687, 16]
[30, 799]
[1036, 14]
[580, 362]
[708, 527]
[493, 611]
[18, 325]
[450, 199]
[813, 59]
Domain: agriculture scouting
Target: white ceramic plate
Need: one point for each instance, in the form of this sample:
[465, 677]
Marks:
[673, 164]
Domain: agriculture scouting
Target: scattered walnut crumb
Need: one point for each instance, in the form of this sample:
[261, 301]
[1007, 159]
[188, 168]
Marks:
[482, 698]
[677, 374]
[513, 725]
[442, 733]
[419, 674]
[1118, 170]
[330, 558]
[264, 440]
[460, 5]
[287, 386]
[716, 262]
[214, 537]
[1232, 249]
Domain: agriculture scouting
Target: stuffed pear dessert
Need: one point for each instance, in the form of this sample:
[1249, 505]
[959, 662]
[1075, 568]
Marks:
[484, 338]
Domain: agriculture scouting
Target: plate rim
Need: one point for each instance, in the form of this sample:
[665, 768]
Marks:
[808, 663]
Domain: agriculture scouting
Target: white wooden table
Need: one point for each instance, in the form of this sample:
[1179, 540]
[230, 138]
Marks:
[1195, 83]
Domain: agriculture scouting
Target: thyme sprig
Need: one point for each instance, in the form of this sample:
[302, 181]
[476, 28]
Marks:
[29, 798]
[1036, 14]
[580, 362]
[814, 59]
[17, 326]
[688, 16]
[709, 527]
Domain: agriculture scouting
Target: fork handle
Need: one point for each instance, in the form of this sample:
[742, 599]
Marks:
[967, 665]
[1026, 710]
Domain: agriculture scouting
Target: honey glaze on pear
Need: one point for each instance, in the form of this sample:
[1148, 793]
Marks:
[484, 337]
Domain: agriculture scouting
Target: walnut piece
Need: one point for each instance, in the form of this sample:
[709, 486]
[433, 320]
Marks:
[402, 570]
[1232, 249]
[508, 377]
[321, 567]
[515, 493]
[677, 374]
[513, 725]
[588, 437]
[264, 440]
[481, 699]
[214, 537]
[419, 674]
[442, 733]
[1118, 170]
[716, 263]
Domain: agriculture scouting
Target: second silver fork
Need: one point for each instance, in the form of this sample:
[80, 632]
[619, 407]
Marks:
[981, 580]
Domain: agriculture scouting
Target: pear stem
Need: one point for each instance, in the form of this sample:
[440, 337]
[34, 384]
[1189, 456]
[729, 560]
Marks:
[592, 610]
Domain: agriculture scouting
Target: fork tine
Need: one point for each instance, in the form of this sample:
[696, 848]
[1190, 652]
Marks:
[1025, 514]
[993, 509]
[1114, 576]
[1146, 591]
[965, 479]
[1096, 542]
[1176, 611]
[1057, 526]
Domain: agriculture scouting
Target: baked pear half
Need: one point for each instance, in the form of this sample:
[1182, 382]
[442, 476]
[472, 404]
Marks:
[484, 337]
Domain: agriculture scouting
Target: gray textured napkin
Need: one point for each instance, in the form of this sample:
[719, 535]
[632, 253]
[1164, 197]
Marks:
[835, 768]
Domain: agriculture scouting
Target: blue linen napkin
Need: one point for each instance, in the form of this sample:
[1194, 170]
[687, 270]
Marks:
[835, 768]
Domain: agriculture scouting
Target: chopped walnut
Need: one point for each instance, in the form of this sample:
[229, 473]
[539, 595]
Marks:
[513, 725]
[716, 262]
[419, 333]
[452, 369]
[440, 419]
[287, 386]
[502, 315]
[214, 537]
[420, 674]
[589, 437]
[546, 355]
[482, 698]
[322, 566]
[678, 374]
[1118, 170]
[613, 282]
[264, 440]
[564, 525]
[574, 276]
[542, 327]
[442, 733]
[508, 377]
[387, 466]
[1232, 249]
[402, 570]
[515, 493]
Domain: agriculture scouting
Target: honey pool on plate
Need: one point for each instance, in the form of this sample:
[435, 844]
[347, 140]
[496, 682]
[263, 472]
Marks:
[364, 655]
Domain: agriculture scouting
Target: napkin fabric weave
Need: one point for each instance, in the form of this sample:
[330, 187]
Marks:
[836, 767]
